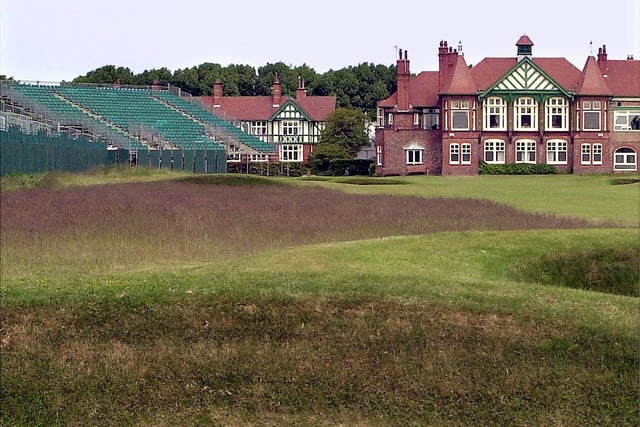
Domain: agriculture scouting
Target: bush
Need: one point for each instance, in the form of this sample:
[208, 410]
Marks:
[341, 167]
[517, 169]
[270, 169]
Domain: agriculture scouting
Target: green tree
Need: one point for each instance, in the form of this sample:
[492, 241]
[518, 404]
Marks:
[108, 74]
[345, 130]
[287, 76]
[163, 76]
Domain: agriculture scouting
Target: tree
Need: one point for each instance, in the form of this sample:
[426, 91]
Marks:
[346, 128]
[108, 74]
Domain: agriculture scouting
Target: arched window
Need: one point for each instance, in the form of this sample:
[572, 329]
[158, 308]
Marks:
[557, 152]
[625, 159]
[494, 151]
[526, 151]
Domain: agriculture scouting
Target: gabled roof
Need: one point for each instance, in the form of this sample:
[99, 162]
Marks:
[461, 82]
[423, 92]
[249, 108]
[592, 82]
[488, 71]
[526, 76]
[623, 77]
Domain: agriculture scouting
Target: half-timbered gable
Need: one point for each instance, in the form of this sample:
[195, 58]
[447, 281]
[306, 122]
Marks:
[294, 125]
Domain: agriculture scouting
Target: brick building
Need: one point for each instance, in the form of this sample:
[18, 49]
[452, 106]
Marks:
[522, 109]
[293, 125]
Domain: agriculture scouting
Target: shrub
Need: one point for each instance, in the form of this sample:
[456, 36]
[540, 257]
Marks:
[517, 169]
[341, 167]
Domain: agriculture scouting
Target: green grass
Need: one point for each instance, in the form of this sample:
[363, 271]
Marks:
[588, 196]
[96, 176]
[512, 327]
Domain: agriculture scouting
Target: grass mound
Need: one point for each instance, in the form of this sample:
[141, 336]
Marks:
[369, 181]
[624, 181]
[230, 179]
[613, 270]
[307, 361]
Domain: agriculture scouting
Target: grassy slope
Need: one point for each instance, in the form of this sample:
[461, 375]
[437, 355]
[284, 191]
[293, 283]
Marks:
[442, 329]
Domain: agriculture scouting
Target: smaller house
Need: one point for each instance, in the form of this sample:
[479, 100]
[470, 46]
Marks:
[293, 125]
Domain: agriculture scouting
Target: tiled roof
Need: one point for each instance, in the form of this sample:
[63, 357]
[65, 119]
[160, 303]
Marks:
[623, 77]
[524, 41]
[247, 108]
[317, 108]
[490, 70]
[592, 82]
[461, 81]
[423, 91]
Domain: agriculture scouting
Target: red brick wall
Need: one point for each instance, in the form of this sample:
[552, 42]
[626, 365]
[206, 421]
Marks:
[393, 144]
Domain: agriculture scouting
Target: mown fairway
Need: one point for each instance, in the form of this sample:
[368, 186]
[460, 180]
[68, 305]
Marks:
[192, 302]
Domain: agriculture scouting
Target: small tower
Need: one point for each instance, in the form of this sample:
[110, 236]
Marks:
[525, 46]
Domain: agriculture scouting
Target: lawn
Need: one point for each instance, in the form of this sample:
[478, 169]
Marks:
[189, 301]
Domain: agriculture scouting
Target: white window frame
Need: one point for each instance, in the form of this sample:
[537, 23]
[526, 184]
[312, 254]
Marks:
[460, 109]
[526, 151]
[416, 119]
[413, 155]
[556, 149]
[525, 106]
[291, 153]
[591, 108]
[379, 155]
[390, 119]
[555, 107]
[428, 116]
[454, 154]
[495, 147]
[291, 127]
[585, 154]
[465, 153]
[259, 158]
[621, 159]
[259, 128]
[626, 120]
[596, 154]
[381, 117]
[495, 106]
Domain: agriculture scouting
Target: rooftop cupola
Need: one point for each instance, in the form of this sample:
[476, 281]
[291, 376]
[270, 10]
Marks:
[525, 46]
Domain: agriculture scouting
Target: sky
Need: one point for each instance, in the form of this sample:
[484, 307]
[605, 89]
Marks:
[55, 40]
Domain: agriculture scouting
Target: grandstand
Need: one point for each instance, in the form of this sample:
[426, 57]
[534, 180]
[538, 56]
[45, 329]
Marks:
[144, 121]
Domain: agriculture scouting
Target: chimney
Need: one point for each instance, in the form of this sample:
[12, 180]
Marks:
[403, 82]
[602, 60]
[217, 93]
[446, 60]
[301, 92]
[276, 91]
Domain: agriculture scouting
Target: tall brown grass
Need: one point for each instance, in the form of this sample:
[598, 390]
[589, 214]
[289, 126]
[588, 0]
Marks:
[169, 222]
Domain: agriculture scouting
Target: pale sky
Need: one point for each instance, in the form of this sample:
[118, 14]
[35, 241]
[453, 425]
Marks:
[54, 40]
